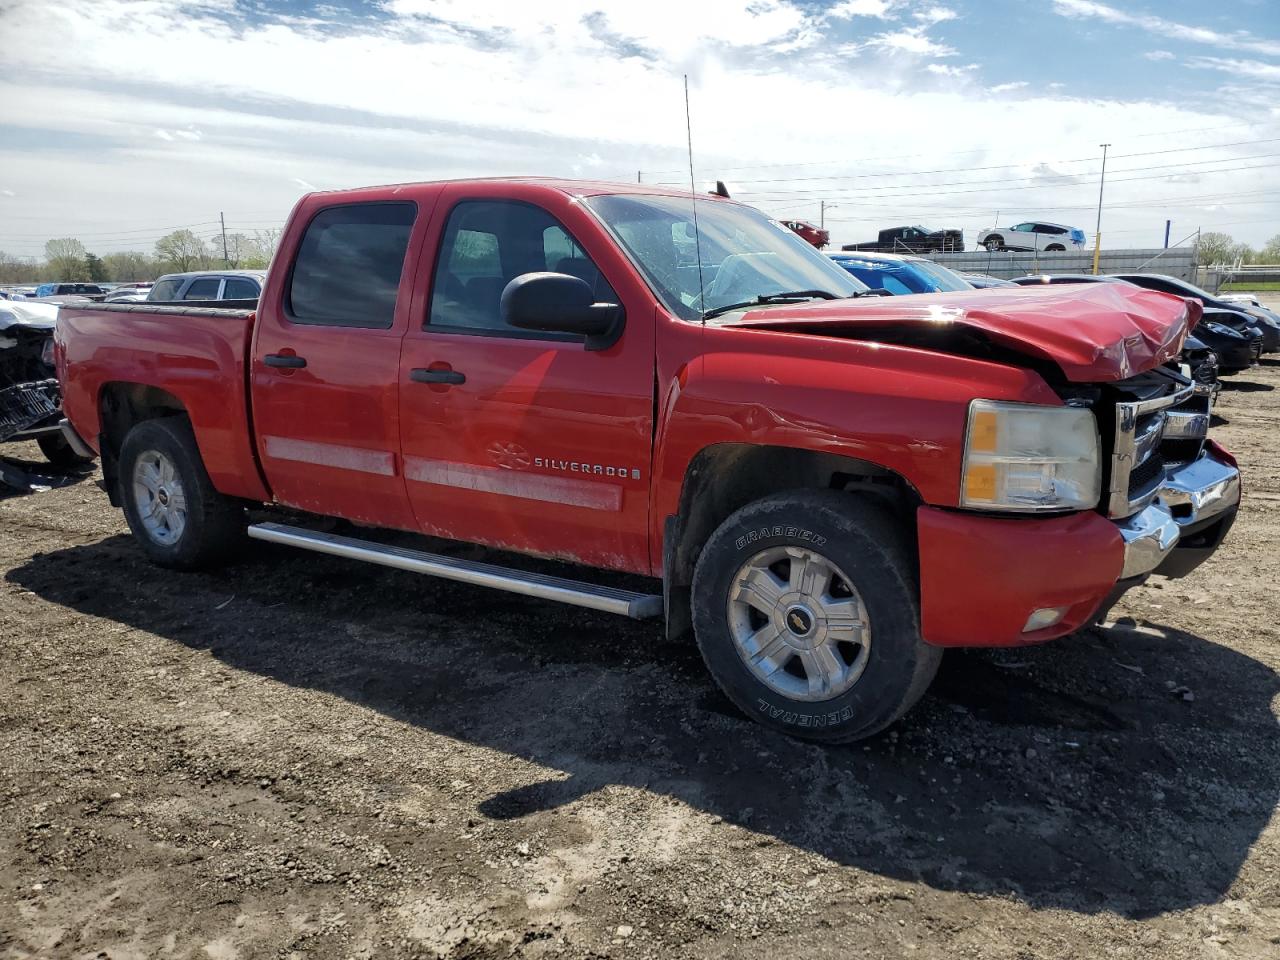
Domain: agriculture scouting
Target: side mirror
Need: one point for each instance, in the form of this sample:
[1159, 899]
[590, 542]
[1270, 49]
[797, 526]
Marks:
[559, 303]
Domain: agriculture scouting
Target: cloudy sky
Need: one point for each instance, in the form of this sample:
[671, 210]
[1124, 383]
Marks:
[123, 119]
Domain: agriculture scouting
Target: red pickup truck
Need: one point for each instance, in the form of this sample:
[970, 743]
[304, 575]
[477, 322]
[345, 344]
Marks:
[826, 487]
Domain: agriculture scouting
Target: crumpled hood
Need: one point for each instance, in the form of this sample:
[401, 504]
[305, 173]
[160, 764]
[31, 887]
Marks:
[35, 316]
[1091, 331]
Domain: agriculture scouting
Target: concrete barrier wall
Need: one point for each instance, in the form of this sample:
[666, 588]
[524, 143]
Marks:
[1177, 262]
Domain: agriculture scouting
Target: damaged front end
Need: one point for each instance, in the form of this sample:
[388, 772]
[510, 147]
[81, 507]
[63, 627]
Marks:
[30, 400]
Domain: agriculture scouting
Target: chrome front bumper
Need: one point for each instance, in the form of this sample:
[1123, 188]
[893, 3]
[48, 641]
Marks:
[1194, 497]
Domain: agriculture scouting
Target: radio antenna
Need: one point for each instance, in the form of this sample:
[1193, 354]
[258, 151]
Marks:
[693, 199]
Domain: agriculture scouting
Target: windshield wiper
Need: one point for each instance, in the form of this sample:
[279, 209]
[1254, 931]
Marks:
[764, 298]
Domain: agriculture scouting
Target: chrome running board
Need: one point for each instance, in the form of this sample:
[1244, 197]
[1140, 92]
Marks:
[638, 606]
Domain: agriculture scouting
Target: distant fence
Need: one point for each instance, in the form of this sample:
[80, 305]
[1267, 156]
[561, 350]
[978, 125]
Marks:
[1177, 262]
[1212, 278]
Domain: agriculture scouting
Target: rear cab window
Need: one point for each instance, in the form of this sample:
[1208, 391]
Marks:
[240, 288]
[348, 266]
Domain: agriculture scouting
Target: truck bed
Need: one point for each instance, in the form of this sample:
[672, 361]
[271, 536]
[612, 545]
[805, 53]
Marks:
[199, 355]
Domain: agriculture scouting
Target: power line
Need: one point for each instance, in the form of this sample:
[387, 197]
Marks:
[959, 153]
[1047, 179]
[1001, 166]
[994, 186]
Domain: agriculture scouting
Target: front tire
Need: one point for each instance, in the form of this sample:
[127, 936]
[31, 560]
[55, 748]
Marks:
[805, 611]
[176, 515]
[993, 244]
[1055, 248]
[58, 452]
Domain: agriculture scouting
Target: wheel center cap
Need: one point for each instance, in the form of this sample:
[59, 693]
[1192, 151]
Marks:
[163, 496]
[799, 621]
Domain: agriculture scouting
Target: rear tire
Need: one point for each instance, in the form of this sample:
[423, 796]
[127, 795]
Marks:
[176, 515]
[58, 452]
[1055, 248]
[776, 592]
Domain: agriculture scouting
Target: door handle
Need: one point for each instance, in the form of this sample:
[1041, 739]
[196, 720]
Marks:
[284, 360]
[421, 375]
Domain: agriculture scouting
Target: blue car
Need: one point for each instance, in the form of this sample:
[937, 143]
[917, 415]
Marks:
[899, 274]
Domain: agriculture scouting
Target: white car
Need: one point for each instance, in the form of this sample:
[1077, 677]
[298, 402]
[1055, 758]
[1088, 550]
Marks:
[1033, 235]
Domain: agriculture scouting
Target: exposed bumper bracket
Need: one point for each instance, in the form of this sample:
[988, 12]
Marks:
[1194, 497]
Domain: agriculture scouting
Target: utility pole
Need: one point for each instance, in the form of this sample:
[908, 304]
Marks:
[823, 207]
[639, 176]
[1167, 225]
[1097, 233]
[226, 261]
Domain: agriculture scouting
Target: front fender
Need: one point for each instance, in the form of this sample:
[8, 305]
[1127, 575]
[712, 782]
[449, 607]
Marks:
[898, 408]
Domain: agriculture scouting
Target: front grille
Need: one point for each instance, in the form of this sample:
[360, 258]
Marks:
[1142, 476]
[1206, 371]
[24, 405]
[1142, 409]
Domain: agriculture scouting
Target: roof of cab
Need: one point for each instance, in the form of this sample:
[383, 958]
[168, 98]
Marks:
[574, 188]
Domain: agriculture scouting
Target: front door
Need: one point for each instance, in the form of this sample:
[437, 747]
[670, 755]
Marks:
[326, 363]
[522, 440]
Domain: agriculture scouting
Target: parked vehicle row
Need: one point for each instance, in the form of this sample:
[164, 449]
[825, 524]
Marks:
[633, 379]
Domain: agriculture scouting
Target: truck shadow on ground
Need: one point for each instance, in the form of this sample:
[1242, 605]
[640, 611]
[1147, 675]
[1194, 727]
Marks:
[1082, 775]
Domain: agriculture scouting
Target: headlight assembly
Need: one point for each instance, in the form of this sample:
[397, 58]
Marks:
[1028, 458]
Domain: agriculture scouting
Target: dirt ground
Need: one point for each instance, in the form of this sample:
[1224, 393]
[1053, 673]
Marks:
[304, 757]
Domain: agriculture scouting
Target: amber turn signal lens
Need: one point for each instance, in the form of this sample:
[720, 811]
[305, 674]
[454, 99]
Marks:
[982, 431]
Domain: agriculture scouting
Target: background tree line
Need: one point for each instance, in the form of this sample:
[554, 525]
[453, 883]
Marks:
[66, 258]
[1220, 248]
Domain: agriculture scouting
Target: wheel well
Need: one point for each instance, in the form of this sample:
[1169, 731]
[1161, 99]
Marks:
[122, 406]
[725, 477]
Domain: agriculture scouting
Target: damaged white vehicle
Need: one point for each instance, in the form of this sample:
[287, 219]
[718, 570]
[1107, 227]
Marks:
[30, 402]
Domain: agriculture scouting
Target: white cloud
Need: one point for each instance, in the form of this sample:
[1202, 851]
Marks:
[932, 15]
[1168, 29]
[847, 9]
[1254, 69]
[1159, 55]
[911, 40]
[947, 70]
[254, 115]
[1011, 85]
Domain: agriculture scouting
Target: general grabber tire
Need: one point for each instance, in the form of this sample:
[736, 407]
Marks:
[805, 610]
[176, 515]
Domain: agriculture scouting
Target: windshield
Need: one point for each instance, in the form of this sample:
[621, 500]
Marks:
[942, 278]
[744, 254]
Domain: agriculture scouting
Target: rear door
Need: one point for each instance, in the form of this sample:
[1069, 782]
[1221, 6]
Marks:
[516, 439]
[325, 361]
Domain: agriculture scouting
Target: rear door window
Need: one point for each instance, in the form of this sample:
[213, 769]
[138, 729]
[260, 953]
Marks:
[165, 290]
[348, 267]
[203, 288]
